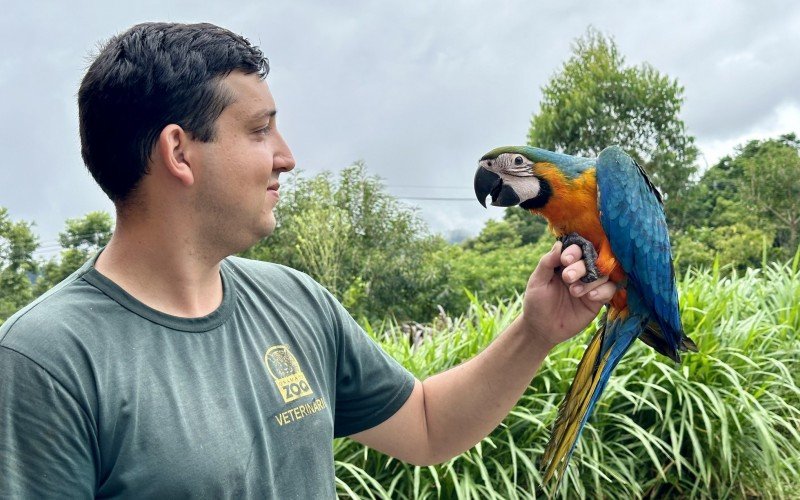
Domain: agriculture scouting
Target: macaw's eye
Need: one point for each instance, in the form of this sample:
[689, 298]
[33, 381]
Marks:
[518, 160]
[489, 163]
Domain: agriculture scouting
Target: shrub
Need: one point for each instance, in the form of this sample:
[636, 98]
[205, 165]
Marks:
[725, 423]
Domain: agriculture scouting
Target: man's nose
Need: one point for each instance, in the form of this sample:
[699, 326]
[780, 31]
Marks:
[284, 160]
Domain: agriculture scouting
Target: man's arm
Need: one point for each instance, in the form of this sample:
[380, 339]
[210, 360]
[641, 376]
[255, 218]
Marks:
[47, 444]
[452, 411]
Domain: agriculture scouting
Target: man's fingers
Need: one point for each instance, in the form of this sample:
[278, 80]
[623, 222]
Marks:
[573, 272]
[601, 290]
[546, 269]
[572, 253]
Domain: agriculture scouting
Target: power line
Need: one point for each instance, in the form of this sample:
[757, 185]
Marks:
[419, 186]
[430, 198]
[433, 198]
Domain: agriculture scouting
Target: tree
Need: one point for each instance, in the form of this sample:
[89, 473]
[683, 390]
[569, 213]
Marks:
[373, 253]
[495, 235]
[17, 265]
[531, 228]
[81, 238]
[88, 233]
[739, 244]
[595, 100]
[771, 185]
[744, 203]
[699, 203]
[496, 264]
[714, 222]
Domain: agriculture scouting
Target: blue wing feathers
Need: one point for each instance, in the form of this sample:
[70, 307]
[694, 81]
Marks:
[633, 218]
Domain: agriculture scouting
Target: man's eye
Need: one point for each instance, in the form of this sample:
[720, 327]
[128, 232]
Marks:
[263, 131]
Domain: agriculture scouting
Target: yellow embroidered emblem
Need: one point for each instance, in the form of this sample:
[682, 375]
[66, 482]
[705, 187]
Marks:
[286, 373]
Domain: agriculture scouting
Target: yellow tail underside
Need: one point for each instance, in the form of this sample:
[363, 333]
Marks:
[573, 408]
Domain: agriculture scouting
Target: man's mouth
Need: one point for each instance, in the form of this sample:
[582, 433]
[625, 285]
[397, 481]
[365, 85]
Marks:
[272, 190]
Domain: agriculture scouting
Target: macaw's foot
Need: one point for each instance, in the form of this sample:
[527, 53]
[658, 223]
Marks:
[589, 255]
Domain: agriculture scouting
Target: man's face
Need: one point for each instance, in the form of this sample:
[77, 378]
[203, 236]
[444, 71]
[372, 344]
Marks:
[237, 186]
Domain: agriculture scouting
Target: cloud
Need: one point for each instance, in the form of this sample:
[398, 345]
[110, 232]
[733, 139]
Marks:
[783, 120]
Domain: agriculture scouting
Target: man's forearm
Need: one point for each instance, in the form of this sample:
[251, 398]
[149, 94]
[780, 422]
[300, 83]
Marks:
[465, 403]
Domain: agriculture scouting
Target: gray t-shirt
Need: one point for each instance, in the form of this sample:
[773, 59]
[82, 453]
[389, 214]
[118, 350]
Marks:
[103, 396]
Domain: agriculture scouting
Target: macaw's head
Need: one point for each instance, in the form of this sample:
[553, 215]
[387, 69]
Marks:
[524, 176]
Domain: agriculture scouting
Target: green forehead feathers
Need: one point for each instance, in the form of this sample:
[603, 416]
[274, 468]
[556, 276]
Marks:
[572, 166]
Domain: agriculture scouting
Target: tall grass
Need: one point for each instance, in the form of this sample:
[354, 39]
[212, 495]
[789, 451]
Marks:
[724, 424]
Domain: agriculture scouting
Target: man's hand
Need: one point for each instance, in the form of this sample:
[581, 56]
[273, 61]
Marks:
[559, 306]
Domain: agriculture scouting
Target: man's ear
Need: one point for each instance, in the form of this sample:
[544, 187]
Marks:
[171, 148]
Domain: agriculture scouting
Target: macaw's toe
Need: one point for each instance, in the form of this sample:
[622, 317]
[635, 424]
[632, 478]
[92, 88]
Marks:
[589, 255]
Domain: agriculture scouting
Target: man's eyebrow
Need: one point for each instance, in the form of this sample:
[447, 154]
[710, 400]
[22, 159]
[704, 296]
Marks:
[266, 113]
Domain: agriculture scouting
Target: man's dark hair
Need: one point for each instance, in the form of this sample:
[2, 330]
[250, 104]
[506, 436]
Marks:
[146, 78]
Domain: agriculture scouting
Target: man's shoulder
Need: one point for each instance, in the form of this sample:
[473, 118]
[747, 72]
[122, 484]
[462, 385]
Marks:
[259, 266]
[69, 306]
[293, 290]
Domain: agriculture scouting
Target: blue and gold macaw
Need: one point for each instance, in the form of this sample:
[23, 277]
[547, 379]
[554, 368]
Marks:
[610, 208]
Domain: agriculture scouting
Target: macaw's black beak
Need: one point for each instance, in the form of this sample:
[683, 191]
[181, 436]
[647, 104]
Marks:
[489, 183]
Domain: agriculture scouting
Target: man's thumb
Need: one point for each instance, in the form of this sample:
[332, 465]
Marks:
[546, 269]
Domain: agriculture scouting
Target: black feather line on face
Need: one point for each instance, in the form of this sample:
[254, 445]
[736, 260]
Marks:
[545, 192]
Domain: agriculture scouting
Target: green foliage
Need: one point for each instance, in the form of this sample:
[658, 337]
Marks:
[530, 228]
[498, 262]
[725, 423]
[81, 238]
[771, 184]
[90, 232]
[495, 235]
[741, 205]
[735, 246]
[373, 253]
[495, 273]
[595, 101]
[720, 182]
[17, 244]
[733, 235]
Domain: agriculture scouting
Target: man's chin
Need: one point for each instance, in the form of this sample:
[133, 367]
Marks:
[266, 229]
[270, 226]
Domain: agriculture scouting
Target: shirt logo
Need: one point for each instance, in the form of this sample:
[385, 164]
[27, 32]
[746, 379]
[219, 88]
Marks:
[286, 373]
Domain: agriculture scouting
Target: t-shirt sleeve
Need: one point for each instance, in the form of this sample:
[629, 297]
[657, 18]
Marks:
[45, 435]
[370, 385]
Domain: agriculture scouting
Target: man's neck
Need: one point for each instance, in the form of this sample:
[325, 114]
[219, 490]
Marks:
[165, 272]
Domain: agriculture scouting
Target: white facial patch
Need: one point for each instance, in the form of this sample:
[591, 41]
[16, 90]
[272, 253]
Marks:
[516, 171]
[526, 187]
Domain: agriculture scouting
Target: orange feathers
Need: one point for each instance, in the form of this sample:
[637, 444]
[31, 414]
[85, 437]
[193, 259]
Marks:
[573, 209]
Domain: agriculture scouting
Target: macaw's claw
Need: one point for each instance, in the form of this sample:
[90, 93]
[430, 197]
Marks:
[589, 255]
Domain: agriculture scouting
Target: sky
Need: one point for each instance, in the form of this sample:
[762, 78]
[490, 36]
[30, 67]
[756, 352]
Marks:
[417, 90]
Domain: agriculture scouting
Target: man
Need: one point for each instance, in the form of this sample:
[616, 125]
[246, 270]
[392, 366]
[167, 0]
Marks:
[164, 367]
